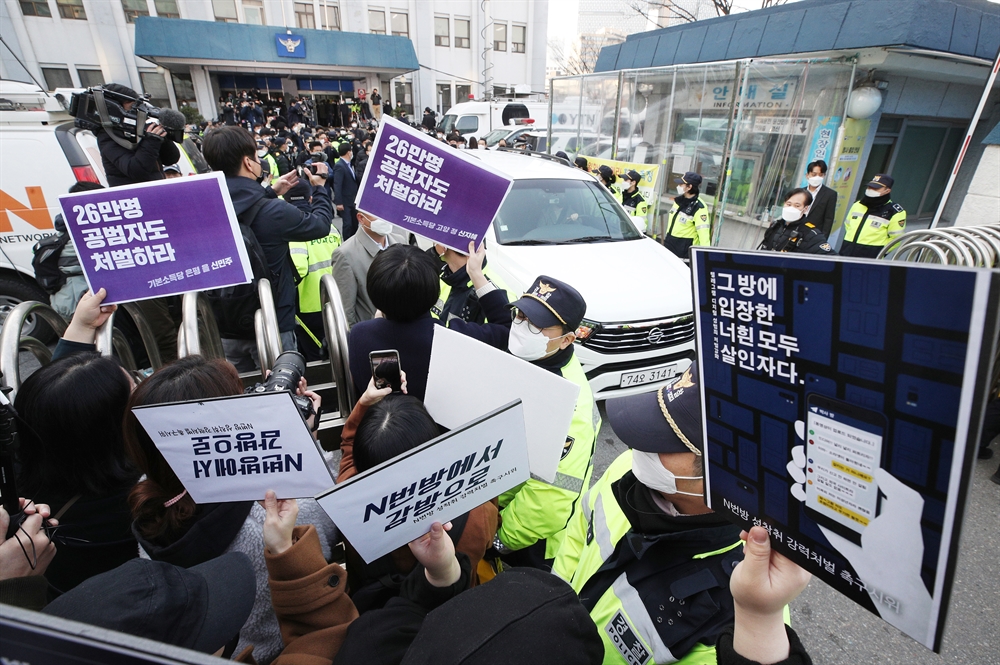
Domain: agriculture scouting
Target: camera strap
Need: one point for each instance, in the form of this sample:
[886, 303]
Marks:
[102, 110]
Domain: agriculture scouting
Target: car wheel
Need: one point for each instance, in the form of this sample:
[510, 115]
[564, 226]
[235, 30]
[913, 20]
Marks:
[15, 291]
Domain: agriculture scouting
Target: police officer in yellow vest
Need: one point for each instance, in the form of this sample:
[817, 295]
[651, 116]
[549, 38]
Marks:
[312, 260]
[459, 298]
[534, 514]
[649, 560]
[633, 202]
[873, 220]
[268, 159]
[606, 176]
[688, 223]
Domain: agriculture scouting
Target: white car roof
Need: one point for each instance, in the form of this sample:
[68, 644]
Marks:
[525, 167]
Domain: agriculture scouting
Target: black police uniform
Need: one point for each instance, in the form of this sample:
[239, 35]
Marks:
[801, 236]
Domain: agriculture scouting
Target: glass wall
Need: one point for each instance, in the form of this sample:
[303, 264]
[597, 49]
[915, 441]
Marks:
[761, 122]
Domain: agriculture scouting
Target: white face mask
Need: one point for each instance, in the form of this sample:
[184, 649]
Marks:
[261, 152]
[815, 181]
[525, 344]
[650, 472]
[680, 190]
[872, 193]
[380, 227]
[791, 214]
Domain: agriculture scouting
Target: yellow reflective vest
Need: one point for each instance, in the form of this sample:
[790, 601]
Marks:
[312, 260]
[536, 510]
[874, 227]
[689, 221]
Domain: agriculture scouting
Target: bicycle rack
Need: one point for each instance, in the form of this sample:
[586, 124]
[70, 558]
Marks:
[971, 246]
[265, 323]
[199, 331]
[109, 339]
[12, 342]
[335, 325]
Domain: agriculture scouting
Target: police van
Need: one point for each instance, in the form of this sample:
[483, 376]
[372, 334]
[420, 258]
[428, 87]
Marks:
[558, 221]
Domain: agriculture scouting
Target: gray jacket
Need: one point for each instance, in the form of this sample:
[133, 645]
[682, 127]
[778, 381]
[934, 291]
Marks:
[350, 269]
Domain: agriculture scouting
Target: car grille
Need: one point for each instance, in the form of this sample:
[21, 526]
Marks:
[642, 335]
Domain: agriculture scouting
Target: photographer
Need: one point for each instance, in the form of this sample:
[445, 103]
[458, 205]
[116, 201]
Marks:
[143, 163]
[275, 223]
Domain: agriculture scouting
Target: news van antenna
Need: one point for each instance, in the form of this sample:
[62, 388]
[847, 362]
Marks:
[26, 70]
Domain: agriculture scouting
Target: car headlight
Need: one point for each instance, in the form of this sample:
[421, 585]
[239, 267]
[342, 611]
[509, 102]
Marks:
[586, 329]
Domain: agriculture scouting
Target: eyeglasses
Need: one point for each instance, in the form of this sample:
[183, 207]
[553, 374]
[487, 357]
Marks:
[518, 316]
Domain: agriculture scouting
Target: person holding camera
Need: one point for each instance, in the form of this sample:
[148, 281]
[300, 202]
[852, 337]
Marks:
[274, 222]
[143, 162]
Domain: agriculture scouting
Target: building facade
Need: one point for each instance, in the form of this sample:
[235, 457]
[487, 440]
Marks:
[459, 46]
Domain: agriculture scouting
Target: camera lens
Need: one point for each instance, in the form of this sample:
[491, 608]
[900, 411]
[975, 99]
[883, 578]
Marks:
[286, 373]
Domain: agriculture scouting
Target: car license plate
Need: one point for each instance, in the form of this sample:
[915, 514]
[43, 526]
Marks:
[650, 375]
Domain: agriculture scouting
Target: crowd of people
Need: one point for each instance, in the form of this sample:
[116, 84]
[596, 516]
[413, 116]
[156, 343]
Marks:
[629, 567]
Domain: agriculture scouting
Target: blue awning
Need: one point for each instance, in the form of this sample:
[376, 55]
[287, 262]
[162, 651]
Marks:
[960, 27]
[180, 40]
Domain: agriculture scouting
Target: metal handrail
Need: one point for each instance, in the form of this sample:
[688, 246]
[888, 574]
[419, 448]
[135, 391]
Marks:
[268, 336]
[919, 245]
[12, 343]
[109, 340]
[146, 334]
[972, 246]
[335, 326]
[199, 331]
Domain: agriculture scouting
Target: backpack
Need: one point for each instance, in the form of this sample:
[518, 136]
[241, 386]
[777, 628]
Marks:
[234, 306]
[46, 262]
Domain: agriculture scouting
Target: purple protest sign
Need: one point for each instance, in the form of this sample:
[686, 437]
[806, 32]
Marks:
[157, 238]
[429, 188]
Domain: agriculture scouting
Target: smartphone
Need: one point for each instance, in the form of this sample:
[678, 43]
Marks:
[385, 369]
[844, 448]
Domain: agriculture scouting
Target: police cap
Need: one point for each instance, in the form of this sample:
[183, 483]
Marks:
[689, 178]
[881, 180]
[665, 421]
[550, 302]
[634, 176]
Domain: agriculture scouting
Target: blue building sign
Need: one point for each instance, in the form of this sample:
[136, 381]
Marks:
[290, 46]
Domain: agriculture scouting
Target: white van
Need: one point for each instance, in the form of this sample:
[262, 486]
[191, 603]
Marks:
[41, 156]
[479, 118]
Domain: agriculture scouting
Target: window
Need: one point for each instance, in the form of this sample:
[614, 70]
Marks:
[499, 36]
[462, 93]
[253, 12]
[183, 89]
[90, 77]
[441, 34]
[304, 15]
[467, 124]
[134, 9]
[400, 24]
[35, 8]
[72, 9]
[155, 86]
[57, 77]
[517, 38]
[225, 11]
[376, 21]
[166, 8]
[330, 13]
[443, 97]
[462, 33]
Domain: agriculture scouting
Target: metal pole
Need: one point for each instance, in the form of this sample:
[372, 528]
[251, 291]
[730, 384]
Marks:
[618, 113]
[968, 139]
[732, 134]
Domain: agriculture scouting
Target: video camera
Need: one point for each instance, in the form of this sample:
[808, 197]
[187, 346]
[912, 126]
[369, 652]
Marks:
[285, 375]
[102, 108]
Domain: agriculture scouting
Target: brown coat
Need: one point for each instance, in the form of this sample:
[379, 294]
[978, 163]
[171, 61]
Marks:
[476, 538]
[310, 599]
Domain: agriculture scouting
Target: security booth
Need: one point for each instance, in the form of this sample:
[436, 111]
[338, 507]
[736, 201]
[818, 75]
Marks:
[749, 100]
[220, 59]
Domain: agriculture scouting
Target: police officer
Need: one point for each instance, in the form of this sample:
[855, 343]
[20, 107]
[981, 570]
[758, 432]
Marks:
[633, 202]
[649, 560]
[873, 220]
[278, 147]
[312, 259]
[606, 176]
[535, 513]
[688, 222]
[268, 159]
[459, 298]
[792, 233]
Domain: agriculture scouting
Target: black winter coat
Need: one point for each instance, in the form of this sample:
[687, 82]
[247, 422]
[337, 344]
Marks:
[144, 164]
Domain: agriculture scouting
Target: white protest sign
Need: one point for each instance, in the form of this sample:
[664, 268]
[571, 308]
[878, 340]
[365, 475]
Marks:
[398, 500]
[549, 400]
[236, 448]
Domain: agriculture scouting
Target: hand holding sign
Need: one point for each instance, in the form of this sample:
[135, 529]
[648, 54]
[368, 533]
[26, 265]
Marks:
[435, 551]
[279, 522]
[90, 315]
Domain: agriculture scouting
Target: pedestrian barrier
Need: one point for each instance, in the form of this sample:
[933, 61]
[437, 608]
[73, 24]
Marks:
[265, 325]
[972, 246]
[198, 333]
[109, 340]
[12, 342]
[335, 326]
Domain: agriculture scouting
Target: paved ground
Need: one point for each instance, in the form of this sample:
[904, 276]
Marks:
[838, 632]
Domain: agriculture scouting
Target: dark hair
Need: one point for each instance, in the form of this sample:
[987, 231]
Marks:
[225, 148]
[820, 163]
[396, 424]
[71, 438]
[191, 377]
[800, 190]
[344, 149]
[403, 282]
[85, 186]
[581, 163]
[315, 144]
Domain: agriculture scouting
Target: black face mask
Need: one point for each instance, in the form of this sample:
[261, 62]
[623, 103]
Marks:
[874, 201]
[265, 171]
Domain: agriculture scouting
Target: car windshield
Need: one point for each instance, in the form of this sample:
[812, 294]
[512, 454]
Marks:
[494, 137]
[447, 123]
[555, 212]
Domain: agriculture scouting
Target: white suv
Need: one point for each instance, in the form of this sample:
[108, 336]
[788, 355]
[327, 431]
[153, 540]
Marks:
[558, 221]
